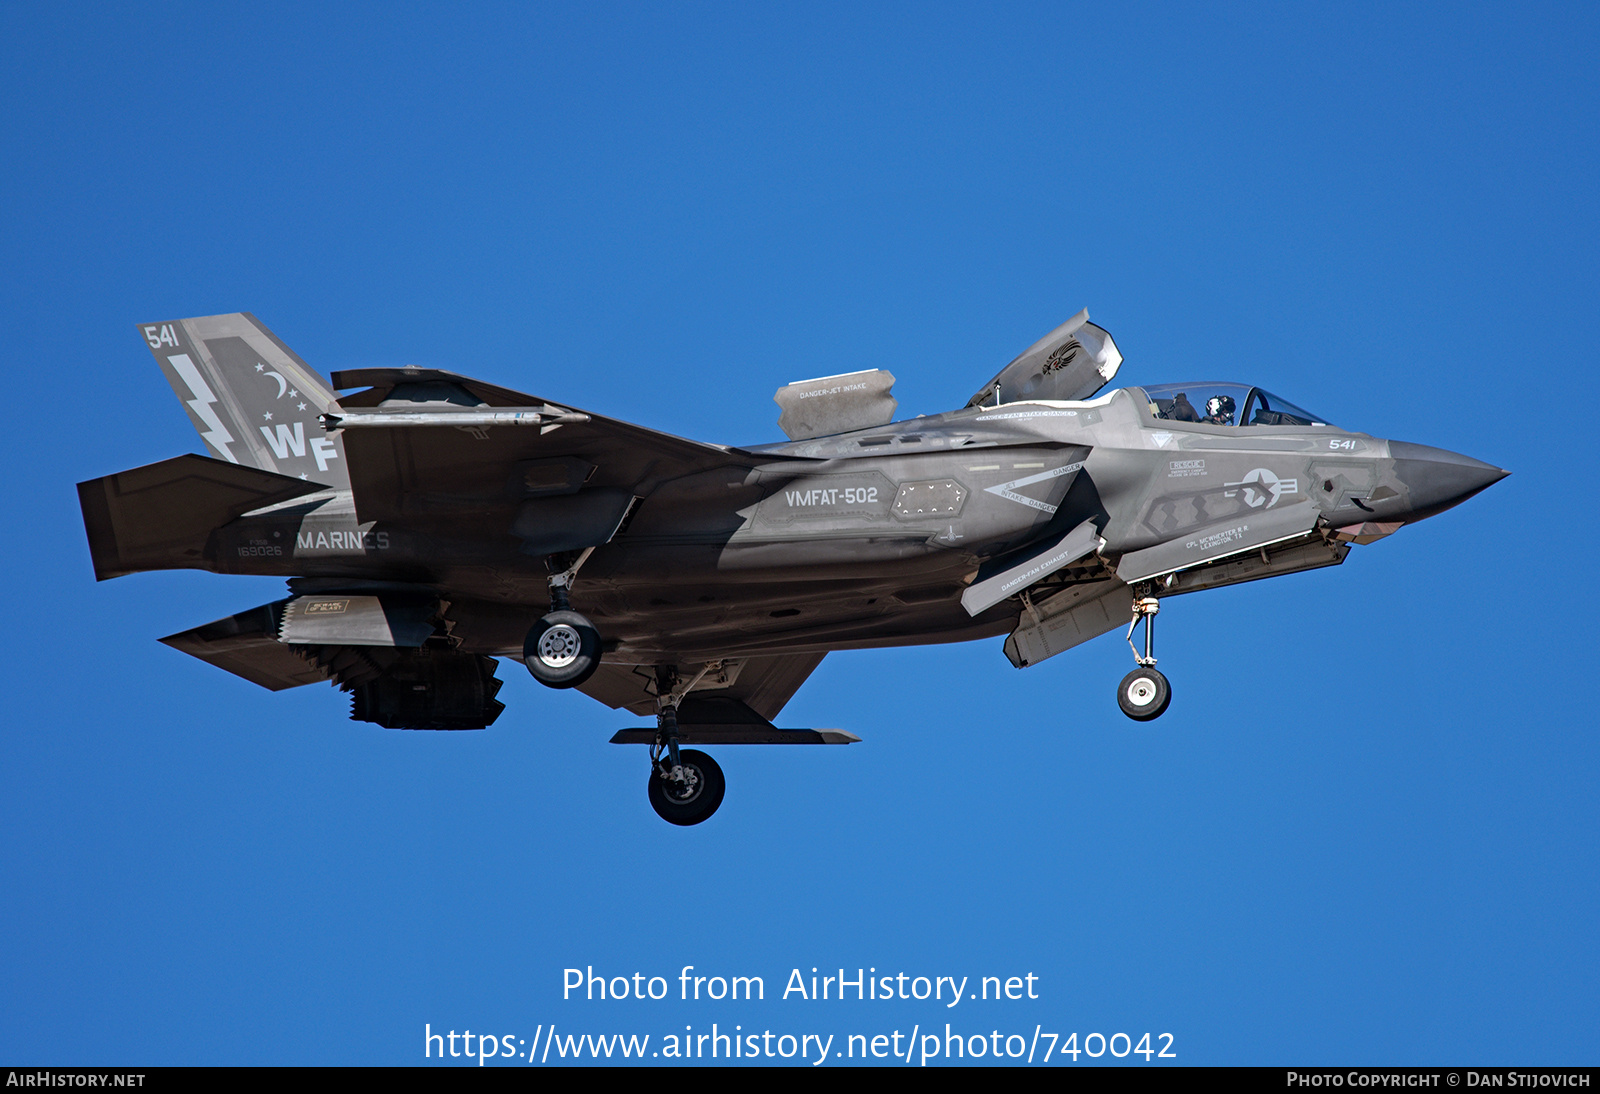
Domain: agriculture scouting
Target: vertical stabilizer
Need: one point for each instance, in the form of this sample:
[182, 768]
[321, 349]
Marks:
[253, 401]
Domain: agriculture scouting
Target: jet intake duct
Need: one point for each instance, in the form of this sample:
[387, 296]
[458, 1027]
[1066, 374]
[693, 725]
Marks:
[836, 404]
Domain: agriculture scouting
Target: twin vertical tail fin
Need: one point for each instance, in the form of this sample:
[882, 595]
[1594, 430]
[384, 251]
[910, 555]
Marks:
[253, 401]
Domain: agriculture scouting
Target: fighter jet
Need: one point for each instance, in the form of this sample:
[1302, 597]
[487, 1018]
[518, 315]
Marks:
[430, 523]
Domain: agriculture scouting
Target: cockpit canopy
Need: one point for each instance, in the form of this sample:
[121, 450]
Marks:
[1214, 403]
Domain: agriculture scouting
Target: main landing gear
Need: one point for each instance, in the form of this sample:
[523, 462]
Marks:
[686, 786]
[562, 650]
[1144, 693]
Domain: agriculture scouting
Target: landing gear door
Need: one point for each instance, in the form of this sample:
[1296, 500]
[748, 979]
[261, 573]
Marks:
[1070, 363]
[1245, 532]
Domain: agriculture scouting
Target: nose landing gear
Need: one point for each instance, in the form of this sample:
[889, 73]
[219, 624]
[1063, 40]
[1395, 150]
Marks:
[1144, 693]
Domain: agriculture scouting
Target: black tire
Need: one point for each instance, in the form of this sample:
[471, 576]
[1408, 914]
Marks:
[700, 802]
[562, 650]
[1144, 694]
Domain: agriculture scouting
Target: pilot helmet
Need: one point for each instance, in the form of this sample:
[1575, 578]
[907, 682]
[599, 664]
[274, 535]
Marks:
[1219, 406]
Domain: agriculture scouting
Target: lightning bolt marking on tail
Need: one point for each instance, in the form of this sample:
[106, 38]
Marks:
[217, 435]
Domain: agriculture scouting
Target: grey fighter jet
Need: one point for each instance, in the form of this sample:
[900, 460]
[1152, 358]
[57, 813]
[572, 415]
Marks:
[429, 523]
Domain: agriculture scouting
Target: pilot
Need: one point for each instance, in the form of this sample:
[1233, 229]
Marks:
[1219, 410]
[1182, 410]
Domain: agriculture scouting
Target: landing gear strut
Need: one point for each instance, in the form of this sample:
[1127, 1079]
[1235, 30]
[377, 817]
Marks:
[686, 786]
[562, 650]
[1144, 693]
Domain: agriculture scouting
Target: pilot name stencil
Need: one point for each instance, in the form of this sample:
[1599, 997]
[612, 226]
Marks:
[1217, 539]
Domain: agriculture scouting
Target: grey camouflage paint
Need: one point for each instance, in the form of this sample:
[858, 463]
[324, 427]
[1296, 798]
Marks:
[763, 558]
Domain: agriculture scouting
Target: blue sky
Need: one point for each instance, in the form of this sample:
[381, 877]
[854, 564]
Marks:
[1364, 832]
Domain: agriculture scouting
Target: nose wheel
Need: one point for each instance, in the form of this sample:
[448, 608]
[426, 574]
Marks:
[1144, 693]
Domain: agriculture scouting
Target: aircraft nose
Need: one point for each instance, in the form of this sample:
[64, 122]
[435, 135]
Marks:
[1436, 478]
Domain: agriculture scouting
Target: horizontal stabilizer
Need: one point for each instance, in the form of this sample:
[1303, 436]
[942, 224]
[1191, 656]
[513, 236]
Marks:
[247, 645]
[161, 516]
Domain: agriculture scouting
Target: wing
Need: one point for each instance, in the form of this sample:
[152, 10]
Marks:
[761, 684]
[431, 446]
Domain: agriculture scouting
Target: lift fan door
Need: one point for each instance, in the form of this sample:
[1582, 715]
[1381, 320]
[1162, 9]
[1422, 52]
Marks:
[836, 404]
[1070, 363]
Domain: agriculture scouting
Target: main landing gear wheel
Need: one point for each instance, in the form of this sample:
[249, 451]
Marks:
[692, 797]
[562, 650]
[1144, 694]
